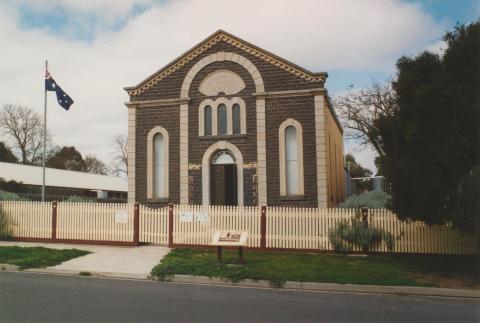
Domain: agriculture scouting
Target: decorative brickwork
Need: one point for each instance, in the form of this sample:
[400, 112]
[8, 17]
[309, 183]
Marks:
[273, 91]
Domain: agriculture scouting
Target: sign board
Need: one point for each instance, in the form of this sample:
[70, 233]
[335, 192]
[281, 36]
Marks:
[121, 216]
[186, 217]
[235, 238]
[201, 216]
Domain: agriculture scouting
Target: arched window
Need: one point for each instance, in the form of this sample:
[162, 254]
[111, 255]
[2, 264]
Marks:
[157, 163]
[291, 158]
[236, 118]
[208, 120]
[222, 116]
[222, 119]
[158, 166]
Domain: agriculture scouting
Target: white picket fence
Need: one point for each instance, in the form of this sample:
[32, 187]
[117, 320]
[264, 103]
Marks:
[94, 221]
[200, 230]
[304, 228]
[29, 219]
[154, 225]
[285, 228]
[75, 221]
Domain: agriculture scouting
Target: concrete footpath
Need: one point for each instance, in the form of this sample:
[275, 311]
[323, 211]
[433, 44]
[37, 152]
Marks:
[137, 262]
[126, 262]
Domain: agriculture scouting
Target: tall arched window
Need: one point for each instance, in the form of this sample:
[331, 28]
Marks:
[236, 118]
[157, 164]
[291, 158]
[222, 119]
[208, 120]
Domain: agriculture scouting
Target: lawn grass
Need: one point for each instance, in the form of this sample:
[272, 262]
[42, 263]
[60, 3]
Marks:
[326, 268]
[37, 257]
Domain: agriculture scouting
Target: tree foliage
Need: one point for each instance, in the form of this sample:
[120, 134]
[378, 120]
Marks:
[70, 158]
[66, 158]
[431, 140]
[6, 154]
[94, 165]
[356, 170]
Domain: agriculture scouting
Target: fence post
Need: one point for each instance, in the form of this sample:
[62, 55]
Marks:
[365, 216]
[136, 224]
[54, 220]
[170, 225]
[263, 227]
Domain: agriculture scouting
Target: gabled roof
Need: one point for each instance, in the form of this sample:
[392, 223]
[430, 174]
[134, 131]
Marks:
[32, 175]
[221, 35]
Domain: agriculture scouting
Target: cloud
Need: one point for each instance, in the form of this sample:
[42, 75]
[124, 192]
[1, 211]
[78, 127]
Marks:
[129, 45]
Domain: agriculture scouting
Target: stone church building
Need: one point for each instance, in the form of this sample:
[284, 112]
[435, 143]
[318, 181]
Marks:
[229, 123]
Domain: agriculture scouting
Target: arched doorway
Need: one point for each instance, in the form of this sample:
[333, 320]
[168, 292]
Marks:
[223, 178]
[207, 159]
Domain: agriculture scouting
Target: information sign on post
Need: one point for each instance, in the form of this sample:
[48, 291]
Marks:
[230, 238]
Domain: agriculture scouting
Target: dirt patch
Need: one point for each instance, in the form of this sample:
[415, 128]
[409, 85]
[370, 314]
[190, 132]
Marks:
[447, 281]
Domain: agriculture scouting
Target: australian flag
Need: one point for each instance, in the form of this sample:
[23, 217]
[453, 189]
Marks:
[63, 99]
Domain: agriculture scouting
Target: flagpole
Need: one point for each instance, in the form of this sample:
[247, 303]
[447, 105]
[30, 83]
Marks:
[44, 136]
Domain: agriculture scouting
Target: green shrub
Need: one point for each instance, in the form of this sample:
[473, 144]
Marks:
[79, 199]
[372, 200]
[5, 229]
[9, 196]
[356, 233]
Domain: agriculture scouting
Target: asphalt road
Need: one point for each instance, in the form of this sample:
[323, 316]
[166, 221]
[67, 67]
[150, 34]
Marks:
[27, 297]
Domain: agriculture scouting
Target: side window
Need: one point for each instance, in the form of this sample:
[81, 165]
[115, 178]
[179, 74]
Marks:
[290, 144]
[157, 163]
[159, 166]
[291, 161]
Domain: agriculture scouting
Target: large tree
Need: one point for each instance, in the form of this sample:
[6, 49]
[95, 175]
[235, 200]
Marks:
[360, 109]
[6, 154]
[432, 139]
[24, 129]
[66, 158]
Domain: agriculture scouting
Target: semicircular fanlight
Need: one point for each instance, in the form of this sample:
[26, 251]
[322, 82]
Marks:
[220, 81]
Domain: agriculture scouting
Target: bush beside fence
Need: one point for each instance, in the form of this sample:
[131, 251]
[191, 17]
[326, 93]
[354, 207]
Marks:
[277, 228]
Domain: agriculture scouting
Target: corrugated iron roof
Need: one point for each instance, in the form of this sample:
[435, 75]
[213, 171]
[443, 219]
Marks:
[32, 175]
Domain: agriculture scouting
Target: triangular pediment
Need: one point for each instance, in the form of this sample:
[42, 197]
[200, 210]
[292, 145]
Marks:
[245, 46]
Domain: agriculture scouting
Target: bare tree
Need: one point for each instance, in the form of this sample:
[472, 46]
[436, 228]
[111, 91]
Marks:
[95, 165]
[120, 159]
[360, 111]
[24, 129]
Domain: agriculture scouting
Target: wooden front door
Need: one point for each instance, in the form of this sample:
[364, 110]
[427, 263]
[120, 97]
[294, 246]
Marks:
[223, 184]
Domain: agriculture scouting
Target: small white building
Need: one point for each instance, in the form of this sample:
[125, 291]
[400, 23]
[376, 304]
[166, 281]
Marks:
[63, 183]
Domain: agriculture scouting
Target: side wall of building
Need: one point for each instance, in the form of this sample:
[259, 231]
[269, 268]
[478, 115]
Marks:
[335, 161]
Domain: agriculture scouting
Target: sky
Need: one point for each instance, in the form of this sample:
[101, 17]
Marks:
[97, 47]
